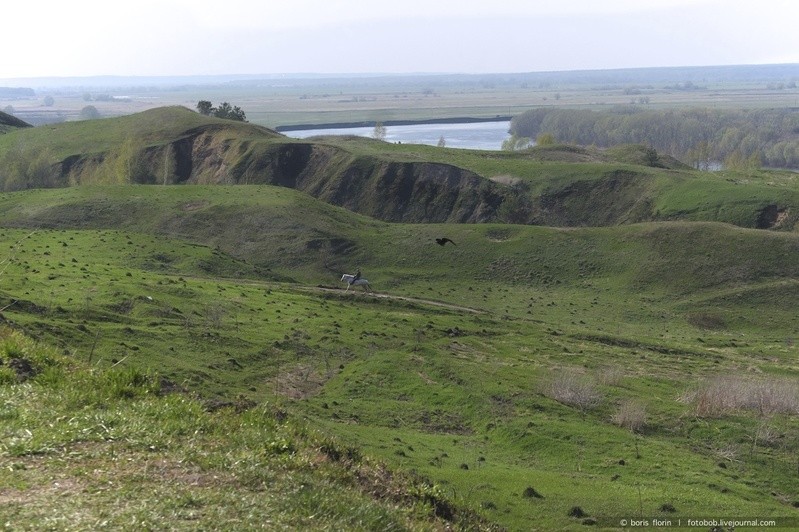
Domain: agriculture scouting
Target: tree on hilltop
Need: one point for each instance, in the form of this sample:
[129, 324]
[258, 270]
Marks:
[204, 107]
[225, 110]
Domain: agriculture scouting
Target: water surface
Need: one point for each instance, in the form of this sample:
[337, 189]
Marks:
[476, 136]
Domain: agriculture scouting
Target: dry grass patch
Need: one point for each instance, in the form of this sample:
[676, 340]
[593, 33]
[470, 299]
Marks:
[610, 375]
[630, 415]
[574, 389]
[766, 395]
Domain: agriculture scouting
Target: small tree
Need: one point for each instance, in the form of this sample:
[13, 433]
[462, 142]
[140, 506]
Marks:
[27, 168]
[735, 161]
[753, 163]
[574, 389]
[441, 142]
[379, 132]
[89, 112]
[229, 112]
[545, 139]
[225, 110]
[630, 415]
[204, 107]
[238, 114]
[699, 156]
[515, 143]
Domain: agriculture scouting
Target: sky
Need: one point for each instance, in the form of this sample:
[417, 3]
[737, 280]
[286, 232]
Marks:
[47, 38]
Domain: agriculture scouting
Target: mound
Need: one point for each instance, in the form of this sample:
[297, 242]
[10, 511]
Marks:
[9, 122]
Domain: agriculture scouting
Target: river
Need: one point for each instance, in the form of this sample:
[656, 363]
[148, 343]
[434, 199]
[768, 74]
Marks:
[476, 136]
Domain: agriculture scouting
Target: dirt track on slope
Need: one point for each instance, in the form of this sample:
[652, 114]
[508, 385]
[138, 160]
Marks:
[420, 301]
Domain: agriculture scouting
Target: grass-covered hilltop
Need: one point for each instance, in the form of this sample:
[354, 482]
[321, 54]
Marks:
[611, 337]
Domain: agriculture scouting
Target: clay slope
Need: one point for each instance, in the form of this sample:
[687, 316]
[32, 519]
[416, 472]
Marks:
[387, 190]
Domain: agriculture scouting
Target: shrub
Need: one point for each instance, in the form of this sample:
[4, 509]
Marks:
[545, 139]
[725, 394]
[576, 511]
[610, 375]
[630, 415]
[574, 389]
[531, 493]
[707, 320]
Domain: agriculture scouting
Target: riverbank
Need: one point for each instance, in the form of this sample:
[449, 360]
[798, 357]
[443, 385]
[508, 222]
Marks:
[389, 123]
[468, 133]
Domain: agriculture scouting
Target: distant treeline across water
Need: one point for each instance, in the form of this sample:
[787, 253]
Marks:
[700, 136]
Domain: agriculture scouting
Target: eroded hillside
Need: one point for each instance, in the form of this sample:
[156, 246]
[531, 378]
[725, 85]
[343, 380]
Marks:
[9, 122]
[554, 186]
[220, 154]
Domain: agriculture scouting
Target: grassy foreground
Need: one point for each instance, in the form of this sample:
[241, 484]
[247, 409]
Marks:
[541, 378]
[118, 449]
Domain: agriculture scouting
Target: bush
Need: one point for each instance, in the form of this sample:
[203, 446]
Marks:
[574, 389]
[531, 493]
[726, 394]
[630, 415]
[610, 375]
[89, 112]
[545, 139]
[576, 511]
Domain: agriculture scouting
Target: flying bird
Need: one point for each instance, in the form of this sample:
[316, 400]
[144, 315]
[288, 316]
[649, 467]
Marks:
[443, 241]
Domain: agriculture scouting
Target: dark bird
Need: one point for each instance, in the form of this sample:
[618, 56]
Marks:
[443, 241]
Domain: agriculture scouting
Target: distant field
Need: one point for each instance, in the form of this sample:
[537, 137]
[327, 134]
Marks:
[275, 102]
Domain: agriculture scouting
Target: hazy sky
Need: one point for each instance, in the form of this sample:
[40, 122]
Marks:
[196, 37]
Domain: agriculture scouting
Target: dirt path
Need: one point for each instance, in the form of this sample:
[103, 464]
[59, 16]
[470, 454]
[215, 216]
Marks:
[360, 293]
[354, 293]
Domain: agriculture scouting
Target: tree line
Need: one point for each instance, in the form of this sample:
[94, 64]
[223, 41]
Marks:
[700, 137]
[225, 110]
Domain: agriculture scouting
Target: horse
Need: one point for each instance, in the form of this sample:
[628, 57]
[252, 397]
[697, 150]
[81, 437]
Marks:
[360, 282]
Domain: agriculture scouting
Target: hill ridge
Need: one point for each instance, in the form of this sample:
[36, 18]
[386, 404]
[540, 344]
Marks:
[9, 122]
[557, 185]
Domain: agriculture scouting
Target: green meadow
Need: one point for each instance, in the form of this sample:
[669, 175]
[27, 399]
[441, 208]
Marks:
[529, 377]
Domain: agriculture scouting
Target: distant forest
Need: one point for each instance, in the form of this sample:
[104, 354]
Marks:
[16, 92]
[699, 137]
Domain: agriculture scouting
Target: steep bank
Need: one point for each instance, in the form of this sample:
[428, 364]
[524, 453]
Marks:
[383, 189]
[558, 185]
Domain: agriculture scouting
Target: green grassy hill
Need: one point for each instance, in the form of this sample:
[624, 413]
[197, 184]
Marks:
[84, 448]
[584, 365]
[634, 360]
[10, 123]
[550, 185]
